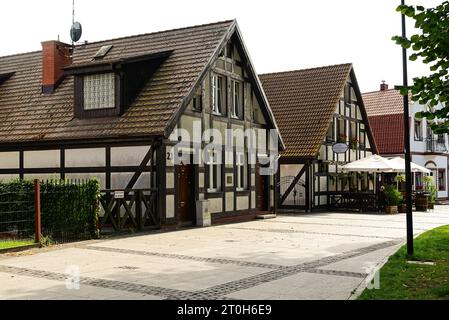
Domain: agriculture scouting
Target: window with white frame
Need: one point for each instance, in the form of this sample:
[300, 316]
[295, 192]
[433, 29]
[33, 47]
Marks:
[214, 165]
[99, 91]
[218, 94]
[418, 130]
[236, 99]
[242, 173]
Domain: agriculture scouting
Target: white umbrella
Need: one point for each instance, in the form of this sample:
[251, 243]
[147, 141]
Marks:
[399, 164]
[374, 163]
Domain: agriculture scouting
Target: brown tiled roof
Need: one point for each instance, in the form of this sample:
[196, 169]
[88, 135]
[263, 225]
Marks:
[28, 115]
[383, 102]
[303, 103]
[388, 132]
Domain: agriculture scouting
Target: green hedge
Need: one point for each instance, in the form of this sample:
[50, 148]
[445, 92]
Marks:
[68, 209]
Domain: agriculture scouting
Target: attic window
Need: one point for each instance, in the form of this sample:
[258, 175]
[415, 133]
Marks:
[99, 91]
[104, 50]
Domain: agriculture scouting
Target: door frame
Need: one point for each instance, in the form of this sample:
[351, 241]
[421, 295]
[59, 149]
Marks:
[266, 195]
[195, 191]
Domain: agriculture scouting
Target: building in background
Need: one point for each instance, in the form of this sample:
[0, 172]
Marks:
[385, 110]
[324, 125]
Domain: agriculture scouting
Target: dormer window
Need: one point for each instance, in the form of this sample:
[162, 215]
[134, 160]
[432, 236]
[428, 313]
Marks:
[108, 88]
[99, 91]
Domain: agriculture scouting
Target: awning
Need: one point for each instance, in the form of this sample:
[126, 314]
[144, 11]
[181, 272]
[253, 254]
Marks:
[376, 163]
[400, 164]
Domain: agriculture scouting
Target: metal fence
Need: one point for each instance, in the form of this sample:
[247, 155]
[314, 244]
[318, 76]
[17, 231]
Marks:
[17, 216]
[53, 211]
[61, 211]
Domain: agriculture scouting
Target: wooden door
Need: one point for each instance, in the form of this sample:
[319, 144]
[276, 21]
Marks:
[261, 191]
[186, 195]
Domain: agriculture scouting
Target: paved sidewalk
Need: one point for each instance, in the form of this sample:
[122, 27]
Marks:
[313, 256]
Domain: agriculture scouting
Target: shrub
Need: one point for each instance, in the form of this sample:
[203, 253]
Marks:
[68, 210]
[394, 197]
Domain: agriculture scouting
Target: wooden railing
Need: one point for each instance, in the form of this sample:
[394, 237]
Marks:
[129, 209]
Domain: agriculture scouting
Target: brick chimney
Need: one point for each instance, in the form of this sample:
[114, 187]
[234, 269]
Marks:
[383, 86]
[55, 56]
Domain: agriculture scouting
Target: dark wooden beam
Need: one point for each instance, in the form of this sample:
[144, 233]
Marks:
[293, 184]
[141, 168]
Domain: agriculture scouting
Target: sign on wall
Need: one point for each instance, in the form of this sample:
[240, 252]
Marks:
[340, 148]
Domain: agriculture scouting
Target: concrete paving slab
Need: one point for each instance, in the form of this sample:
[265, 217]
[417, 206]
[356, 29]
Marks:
[17, 287]
[306, 256]
[302, 286]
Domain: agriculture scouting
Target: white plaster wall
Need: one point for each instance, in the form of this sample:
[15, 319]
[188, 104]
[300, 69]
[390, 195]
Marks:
[290, 170]
[170, 206]
[94, 157]
[144, 181]
[229, 201]
[43, 177]
[261, 142]
[170, 180]
[9, 160]
[215, 205]
[8, 177]
[169, 162]
[242, 203]
[120, 180]
[42, 159]
[201, 180]
[128, 156]
[193, 126]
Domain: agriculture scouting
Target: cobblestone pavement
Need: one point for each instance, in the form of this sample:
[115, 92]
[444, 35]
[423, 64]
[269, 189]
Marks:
[304, 256]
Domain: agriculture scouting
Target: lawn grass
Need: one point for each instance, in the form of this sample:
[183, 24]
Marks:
[400, 280]
[8, 244]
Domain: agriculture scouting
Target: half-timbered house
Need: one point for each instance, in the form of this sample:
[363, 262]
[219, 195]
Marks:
[319, 111]
[112, 110]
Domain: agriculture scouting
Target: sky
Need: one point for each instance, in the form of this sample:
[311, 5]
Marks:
[280, 35]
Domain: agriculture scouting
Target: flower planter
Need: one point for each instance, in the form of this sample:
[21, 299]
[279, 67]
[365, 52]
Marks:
[391, 209]
[421, 202]
[402, 208]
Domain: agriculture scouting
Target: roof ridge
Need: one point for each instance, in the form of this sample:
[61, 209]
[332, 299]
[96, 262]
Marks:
[20, 54]
[377, 91]
[132, 36]
[161, 31]
[306, 69]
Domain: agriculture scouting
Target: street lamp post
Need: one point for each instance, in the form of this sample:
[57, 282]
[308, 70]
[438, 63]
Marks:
[408, 173]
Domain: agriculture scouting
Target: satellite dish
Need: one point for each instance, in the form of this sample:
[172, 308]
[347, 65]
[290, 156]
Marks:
[76, 31]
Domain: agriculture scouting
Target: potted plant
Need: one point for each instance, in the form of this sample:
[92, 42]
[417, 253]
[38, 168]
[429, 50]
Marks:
[400, 178]
[353, 142]
[341, 138]
[394, 198]
[433, 193]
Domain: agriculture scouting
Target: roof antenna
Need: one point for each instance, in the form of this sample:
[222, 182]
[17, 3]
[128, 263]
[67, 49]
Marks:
[76, 30]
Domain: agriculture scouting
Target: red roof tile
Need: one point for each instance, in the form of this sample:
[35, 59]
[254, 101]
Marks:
[388, 132]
